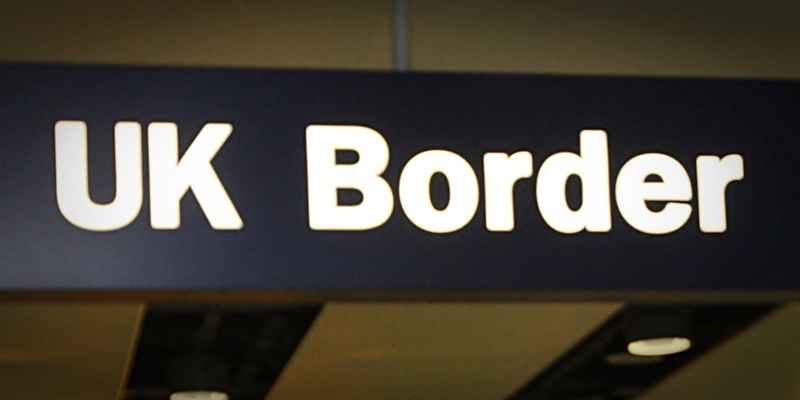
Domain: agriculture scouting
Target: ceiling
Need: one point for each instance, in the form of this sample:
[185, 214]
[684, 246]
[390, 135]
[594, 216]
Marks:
[434, 351]
[249, 344]
[650, 37]
[419, 350]
[763, 362]
[66, 351]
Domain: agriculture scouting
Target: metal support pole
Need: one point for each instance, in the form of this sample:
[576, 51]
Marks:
[401, 38]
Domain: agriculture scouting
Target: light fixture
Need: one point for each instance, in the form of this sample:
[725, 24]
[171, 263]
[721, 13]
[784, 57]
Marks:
[198, 395]
[660, 346]
[198, 376]
[657, 332]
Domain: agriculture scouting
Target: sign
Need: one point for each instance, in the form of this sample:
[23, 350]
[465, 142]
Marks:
[118, 178]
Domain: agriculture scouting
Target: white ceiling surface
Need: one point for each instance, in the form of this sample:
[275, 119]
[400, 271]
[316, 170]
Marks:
[761, 363]
[432, 351]
[65, 352]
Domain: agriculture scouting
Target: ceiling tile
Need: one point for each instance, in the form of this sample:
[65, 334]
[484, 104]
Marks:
[432, 350]
[65, 352]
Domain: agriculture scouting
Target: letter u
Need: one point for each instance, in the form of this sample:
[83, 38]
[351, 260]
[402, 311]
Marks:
[72, 177]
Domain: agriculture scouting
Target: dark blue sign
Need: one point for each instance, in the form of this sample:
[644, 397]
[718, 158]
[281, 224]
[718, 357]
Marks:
[670, 184]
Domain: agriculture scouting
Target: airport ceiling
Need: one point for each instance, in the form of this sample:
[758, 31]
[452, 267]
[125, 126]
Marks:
[395, 350]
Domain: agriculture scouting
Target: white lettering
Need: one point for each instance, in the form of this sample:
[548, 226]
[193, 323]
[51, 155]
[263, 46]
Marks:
[170, 178]
[326, 177]
[501, 172]
[415, 191]
[633, 192]
[591, 166]
[713, 177]
[72, 177]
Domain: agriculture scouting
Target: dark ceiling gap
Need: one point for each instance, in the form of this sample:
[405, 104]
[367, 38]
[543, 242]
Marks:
[583, 373]
[256, 342]
[208, 332]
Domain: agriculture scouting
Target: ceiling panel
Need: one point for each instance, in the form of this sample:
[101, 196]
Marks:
[653, 37]
[432, 350]
[299, 33]
[65, 352]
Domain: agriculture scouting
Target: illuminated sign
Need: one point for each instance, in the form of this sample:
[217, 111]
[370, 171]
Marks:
[115, 178]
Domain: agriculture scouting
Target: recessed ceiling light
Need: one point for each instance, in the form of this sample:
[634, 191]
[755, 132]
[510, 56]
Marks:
[198, 395]
[660, 346]
[198, 376]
